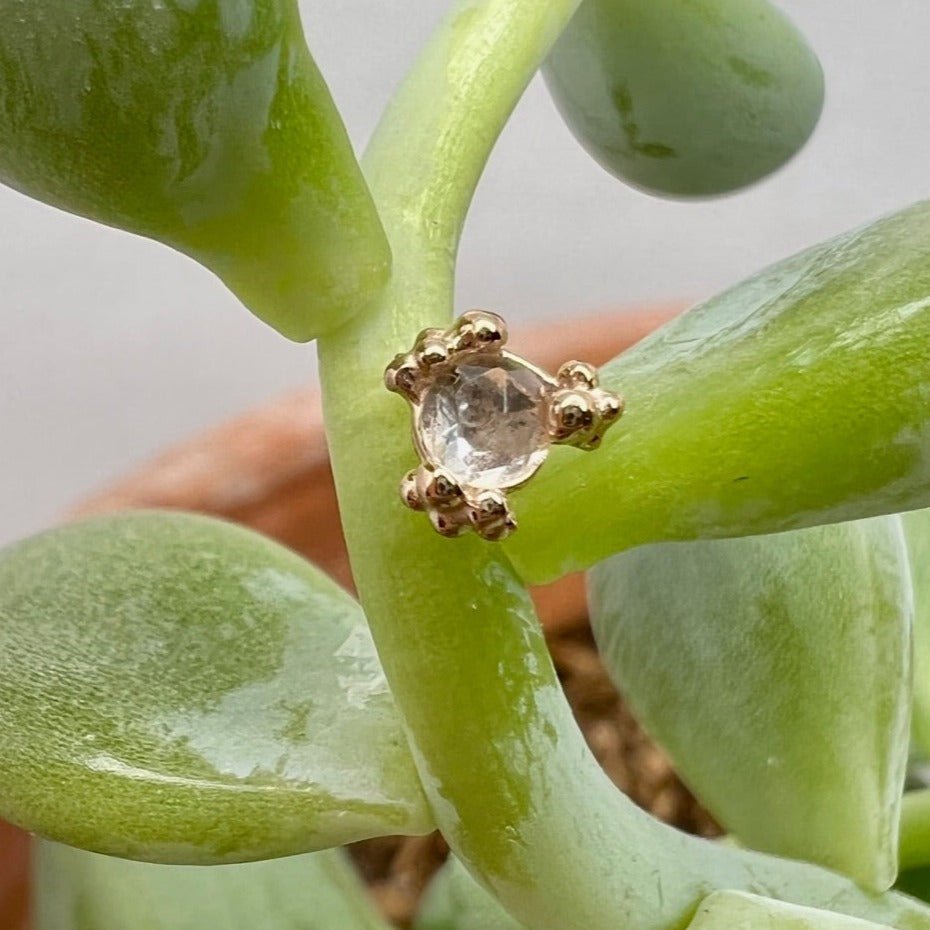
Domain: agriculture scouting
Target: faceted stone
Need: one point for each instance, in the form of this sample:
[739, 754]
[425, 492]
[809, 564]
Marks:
[484, 421]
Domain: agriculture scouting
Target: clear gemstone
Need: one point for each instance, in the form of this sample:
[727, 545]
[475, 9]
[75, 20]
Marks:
[483, 420]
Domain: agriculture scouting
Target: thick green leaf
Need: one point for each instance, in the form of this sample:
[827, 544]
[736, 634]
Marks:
[775, 671]
[736, 910]
[204, 125]
[77, 890]
[179, 689]
[686, 98]
[917, 533]
[798, 397]
[455, 901]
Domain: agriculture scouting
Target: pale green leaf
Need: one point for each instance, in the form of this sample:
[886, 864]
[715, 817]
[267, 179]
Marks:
[798, 397]
[737, 910]
[455, 901]
[683, 98]
[178, 689]
[77, 890]
[917, 533]
[775, 671]
[206, 126]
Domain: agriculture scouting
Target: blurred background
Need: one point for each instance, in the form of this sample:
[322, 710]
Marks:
[113, 347]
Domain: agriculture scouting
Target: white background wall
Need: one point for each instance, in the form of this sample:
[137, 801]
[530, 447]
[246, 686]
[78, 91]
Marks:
[112, 347]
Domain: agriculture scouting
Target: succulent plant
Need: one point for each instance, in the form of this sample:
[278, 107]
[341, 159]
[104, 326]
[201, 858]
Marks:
[185, 693]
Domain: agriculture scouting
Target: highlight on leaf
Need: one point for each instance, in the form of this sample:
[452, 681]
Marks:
[917, 532]
[206, 126]
[177, 689]
[818, 623]
[735, 910]
[793, 399]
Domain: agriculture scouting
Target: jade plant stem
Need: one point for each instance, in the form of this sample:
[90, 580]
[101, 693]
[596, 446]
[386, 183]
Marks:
[505, 768]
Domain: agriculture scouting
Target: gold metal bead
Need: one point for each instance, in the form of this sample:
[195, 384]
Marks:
[432, 348]
[578, 374]
[402, 377]
[409, 493]
[570, 413]
[479, 329]
[441, 491]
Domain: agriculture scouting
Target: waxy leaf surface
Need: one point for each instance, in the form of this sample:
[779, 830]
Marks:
[78, 890]
[686, 97]
[736, 910]
[917, 533]
[796, 398]
[178, 689]
[455, 901]
[204, 125]
[775, 671]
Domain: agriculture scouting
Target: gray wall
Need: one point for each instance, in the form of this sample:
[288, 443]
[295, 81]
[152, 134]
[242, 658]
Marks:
[112, 347]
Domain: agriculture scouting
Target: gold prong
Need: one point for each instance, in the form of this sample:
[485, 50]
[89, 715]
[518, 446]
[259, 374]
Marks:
[432, 348]
[441, 490]
[447, 524]
[402, 377]
[570, 413]
[577, 374]
[490, 515]
[409, 493]
[497, 530]
[479, 329]
[609, 406]
[490, 505]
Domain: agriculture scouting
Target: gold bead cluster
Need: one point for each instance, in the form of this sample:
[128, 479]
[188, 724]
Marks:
[577, 413]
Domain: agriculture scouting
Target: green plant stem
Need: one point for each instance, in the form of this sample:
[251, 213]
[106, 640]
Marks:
[505, 768]
[914, 842]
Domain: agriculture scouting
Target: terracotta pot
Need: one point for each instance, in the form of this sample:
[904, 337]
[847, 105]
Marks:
[269, 469]
[14, 874]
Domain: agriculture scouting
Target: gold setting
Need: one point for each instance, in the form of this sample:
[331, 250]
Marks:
[576, 412]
